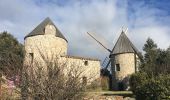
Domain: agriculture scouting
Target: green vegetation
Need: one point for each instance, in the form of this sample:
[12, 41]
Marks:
[105, 80]
[11, 54]
[152, 82]
[11, 61]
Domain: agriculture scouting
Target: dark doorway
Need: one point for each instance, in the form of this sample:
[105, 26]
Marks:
[120, 86]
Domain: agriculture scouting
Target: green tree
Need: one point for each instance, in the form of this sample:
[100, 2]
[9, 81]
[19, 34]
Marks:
[11, 53]
[150, 56]
[162, 62]
[168, 55]
[150, 88]
[153, 81]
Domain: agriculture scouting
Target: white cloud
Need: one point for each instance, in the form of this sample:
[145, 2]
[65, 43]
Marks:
[104, 18]
[146, 22]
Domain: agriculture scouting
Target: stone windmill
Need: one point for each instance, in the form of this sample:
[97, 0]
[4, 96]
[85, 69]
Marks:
[124, 61]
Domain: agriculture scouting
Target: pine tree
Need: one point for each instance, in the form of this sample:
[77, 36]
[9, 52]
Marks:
[151, 53]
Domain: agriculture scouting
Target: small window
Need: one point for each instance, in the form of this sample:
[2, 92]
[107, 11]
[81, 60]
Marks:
[31, 57]
[117, 67]
[86, 63]
[84, 80]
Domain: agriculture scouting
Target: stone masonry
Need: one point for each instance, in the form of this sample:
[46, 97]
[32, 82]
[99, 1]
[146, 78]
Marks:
[46, 42]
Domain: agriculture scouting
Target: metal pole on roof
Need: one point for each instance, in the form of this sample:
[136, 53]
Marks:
[126, 30]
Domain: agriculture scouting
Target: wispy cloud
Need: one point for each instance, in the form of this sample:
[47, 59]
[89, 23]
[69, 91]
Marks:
[149, 19]
[104, 18]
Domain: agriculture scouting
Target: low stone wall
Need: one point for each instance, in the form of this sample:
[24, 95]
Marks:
[102, 97]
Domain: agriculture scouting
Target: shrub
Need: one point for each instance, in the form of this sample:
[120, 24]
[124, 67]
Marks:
[94, 85]
[105, 83]
[150, 88]
[52, 84]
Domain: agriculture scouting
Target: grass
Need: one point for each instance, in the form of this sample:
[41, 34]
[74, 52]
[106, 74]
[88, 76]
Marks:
[111, 93]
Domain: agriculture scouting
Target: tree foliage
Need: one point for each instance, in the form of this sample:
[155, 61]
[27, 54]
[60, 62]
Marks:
[11, 51]
[150, 55]
[150, 88]
[153, 80]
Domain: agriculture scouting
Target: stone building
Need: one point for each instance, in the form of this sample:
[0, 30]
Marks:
[124, 62]
[47, 42]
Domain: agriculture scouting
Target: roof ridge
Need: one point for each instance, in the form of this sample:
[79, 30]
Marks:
[79, 57]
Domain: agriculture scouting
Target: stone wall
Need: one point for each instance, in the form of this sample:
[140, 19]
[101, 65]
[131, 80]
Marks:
[43, 47]
[126, 63]
[51, 48]
[46, 44]
[89, 68]
[105, 97]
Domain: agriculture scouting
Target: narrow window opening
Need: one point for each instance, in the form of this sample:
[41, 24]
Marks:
[117, 67]
[86, 63]
[31, 57]
[84, 80]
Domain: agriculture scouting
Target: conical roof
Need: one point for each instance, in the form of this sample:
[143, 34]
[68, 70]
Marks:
[39, 30]
[124, 45]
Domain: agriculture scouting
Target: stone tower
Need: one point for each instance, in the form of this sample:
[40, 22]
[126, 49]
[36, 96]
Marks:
[124, 62]
[47, 44]
[44, 42]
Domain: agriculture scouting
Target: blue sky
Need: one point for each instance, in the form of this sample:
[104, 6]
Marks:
[103, 18]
